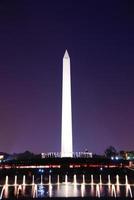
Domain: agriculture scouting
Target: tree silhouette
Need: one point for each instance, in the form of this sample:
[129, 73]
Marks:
[110, 152]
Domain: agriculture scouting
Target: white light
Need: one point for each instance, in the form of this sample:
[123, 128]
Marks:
[117, 158]
[66, 129]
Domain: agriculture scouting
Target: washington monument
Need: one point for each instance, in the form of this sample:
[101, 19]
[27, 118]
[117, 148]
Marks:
[66, 126]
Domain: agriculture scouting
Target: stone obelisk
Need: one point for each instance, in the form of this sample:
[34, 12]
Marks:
[66, 127]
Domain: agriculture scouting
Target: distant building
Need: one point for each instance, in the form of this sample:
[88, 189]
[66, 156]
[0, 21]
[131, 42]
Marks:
[3, 156]
[127, 155]
[85, 154]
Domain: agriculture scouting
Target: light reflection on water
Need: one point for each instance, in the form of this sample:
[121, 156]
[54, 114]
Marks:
[78, 187]
[70, 190]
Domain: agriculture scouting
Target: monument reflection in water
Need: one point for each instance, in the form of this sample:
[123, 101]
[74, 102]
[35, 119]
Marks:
[66, 188]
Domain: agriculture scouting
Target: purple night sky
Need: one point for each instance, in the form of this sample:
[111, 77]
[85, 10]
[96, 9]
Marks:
[99, 36]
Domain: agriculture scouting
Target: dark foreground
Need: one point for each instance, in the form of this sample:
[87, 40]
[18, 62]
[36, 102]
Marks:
[72, 198]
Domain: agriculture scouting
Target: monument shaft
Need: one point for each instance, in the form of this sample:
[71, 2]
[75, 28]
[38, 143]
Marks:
[66, 129]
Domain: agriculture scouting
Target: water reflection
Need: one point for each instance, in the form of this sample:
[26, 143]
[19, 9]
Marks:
[77, 188]
[50, 190]
[41, 191]
[58, 179]
[97, 190]
[83, 189]
[19, 191]
[113, 191]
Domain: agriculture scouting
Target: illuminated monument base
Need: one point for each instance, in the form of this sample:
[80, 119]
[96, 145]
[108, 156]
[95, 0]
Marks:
[66, 127]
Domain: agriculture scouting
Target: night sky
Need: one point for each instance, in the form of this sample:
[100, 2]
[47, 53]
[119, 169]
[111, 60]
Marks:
[99, 36]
